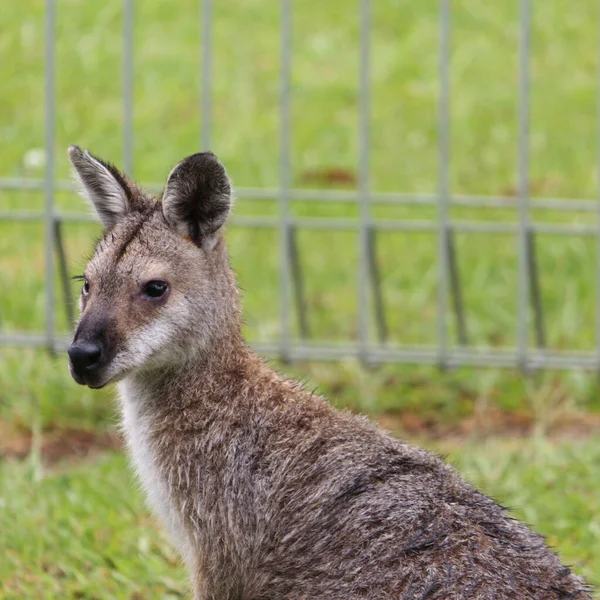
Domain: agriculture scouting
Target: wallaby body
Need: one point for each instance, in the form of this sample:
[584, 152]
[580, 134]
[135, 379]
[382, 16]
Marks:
[269, 492]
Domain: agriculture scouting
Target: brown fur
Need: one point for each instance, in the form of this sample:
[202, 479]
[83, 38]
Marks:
[269, 492]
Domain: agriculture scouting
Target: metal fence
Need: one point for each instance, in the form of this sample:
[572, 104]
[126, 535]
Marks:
[369, 295]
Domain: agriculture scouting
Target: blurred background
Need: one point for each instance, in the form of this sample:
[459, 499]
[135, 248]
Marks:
[416, 234]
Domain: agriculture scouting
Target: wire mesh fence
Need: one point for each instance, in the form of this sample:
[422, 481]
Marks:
[454, 345]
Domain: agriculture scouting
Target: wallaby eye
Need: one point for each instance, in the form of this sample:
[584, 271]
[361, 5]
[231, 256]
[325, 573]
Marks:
[155, 289]
[85, 290]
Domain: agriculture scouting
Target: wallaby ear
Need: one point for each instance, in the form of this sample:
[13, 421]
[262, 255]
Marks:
[104, 186]
[197, 197]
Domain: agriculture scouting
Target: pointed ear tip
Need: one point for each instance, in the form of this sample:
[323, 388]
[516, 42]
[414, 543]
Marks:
[75, 152]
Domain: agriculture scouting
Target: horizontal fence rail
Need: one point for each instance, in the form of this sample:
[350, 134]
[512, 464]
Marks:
[453, 348]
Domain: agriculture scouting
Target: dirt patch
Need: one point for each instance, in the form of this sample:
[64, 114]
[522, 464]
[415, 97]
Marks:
[494, 422]
[59, 445]
[68, 445]
[337, 176]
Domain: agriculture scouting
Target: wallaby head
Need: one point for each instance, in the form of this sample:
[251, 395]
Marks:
[158, 288]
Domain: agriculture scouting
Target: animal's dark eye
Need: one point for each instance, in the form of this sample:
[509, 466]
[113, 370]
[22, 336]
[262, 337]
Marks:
[155, 289]
[85, 290]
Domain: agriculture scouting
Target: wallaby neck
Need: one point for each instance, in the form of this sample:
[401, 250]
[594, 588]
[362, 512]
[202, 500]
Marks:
[212, 376]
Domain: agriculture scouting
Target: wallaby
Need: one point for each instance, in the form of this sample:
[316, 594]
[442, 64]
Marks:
[268, 491]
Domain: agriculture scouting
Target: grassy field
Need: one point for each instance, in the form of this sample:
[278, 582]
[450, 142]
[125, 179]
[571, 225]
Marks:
[88, 515]
[404, 158]
[83, 532]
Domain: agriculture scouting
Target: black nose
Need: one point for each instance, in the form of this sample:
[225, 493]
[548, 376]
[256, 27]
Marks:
[84, 356]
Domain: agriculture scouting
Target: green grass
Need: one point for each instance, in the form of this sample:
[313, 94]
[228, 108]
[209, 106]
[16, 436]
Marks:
[325, 100]
[84, 533]
[88, 519]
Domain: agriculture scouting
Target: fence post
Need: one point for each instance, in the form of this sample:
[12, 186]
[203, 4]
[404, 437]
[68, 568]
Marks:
[598, 203]
[49, 108]
[380, 316]
[206, 83]
[285, 176]
[127, 74]
[523, 185]
[444, 179]
[64, 272]
[364, 140]
[298, 281]
[457, 298]
[536, 290]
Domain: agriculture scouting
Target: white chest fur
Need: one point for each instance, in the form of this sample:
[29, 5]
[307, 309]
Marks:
[136, 423]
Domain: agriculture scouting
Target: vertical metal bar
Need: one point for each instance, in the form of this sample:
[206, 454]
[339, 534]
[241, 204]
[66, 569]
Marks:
[536, 291]
[64, 272]
[598, 192]
[128, 86]
[444, 178]
[206, 82]
[523, 183]
[455, 287]
[298, 280]
[364, 140]
[49, 107]
[285, 174]
[380, 315]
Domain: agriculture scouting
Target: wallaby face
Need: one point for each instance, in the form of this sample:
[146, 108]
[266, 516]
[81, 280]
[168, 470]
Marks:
[154, 291]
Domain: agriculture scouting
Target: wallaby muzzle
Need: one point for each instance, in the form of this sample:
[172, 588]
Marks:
[90, 352]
